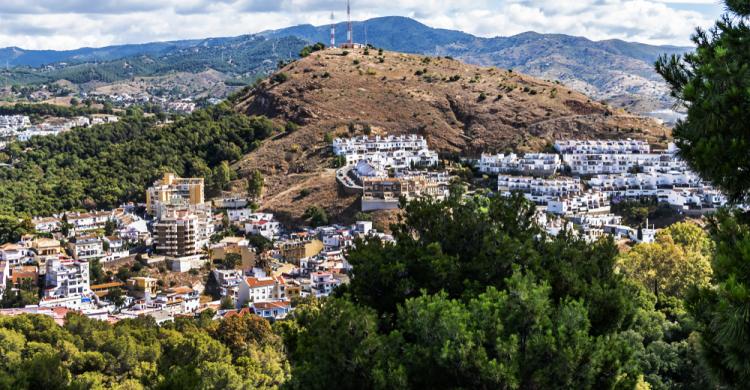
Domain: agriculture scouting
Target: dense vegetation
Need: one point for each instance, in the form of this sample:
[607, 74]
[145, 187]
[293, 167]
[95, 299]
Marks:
[45, 109]
[473, 294]
[102, 166]
[714, 83]
[235, 353]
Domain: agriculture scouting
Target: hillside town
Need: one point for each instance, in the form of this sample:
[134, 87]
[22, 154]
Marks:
[176, 231]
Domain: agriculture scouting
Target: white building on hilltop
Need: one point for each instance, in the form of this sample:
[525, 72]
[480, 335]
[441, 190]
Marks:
[384, 153]
[538, 190]
[627, 146]
[541, 164]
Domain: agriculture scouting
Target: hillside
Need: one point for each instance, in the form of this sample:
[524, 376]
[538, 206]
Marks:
[614, 70]
[481, 110]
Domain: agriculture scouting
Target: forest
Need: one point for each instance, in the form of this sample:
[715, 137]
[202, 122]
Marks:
[102, 166]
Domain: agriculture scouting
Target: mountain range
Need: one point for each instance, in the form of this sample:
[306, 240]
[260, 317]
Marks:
[618, 72]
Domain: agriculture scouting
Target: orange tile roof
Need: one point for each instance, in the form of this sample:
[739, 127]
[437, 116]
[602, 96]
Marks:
[255, 282]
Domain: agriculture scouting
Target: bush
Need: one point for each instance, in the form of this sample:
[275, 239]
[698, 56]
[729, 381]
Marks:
[280, 77]
[316, 216]
[291, 127]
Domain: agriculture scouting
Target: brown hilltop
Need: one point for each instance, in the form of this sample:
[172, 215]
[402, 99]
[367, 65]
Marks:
[459, 108]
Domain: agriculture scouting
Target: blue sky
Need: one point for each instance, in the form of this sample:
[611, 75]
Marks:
[67, 24]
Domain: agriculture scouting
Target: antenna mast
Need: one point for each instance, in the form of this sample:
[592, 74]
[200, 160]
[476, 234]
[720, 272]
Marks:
[349, 24]
[333, 31]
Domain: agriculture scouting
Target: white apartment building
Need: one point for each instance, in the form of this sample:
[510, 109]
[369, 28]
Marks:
[13, 123]
[229, 281]
[46, 224]
[595, 220]
[173, 190]
[322, 283]
[364, 144]
[392, 152]
[84, 222]
[619, 184]
[593, 164]
[260, 289]
[66, 278]
[592, 201]
[627, 146]
[538, 190]
[543, 164]
[239, 215]
[87, 248]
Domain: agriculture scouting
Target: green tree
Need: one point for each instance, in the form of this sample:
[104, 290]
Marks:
[255, 185]
[222, 176]
[232, 260]
[718, 309]
[316, 215]
[12, 228]
[714, 83]
[676, 261]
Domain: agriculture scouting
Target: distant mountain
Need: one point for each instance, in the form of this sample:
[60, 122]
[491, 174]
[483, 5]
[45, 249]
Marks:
[243, 57]
[14, 56]
[614, 70]
[617, 71]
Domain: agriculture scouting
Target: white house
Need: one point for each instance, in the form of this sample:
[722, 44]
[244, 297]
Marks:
[14, 254]
[260, 289]
[263, 224]
[538, 190]
[67, 278]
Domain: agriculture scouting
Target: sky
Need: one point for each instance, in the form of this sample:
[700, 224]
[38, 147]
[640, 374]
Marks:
[70, 24]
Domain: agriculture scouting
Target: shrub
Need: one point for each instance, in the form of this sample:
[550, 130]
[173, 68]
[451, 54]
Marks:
[291, 127]
[280, 77]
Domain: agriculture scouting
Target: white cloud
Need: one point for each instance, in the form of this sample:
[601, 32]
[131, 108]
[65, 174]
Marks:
[66, 24]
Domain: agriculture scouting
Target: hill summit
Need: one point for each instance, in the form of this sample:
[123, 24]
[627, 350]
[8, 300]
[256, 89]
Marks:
[460, 109]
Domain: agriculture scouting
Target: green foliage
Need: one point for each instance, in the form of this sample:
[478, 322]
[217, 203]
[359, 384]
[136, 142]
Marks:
[103, 166]
[714, 83]
[260, 243]
[473, 294]
[27, 294]
[677, 261]
[280, 77]
[239, 352]
[361, 216]
[44, 110]
[720, 310]
[255, 185]
[291, 127]
[242, 56]
[307, 50]
[232, 260]
[316, 215]
[12, 228]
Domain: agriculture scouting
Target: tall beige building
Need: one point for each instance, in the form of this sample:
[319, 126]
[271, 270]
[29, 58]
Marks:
[172, 190]
[182, 233]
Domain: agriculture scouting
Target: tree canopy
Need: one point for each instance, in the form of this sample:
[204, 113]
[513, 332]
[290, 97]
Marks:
[714, 84]
[105, 165]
